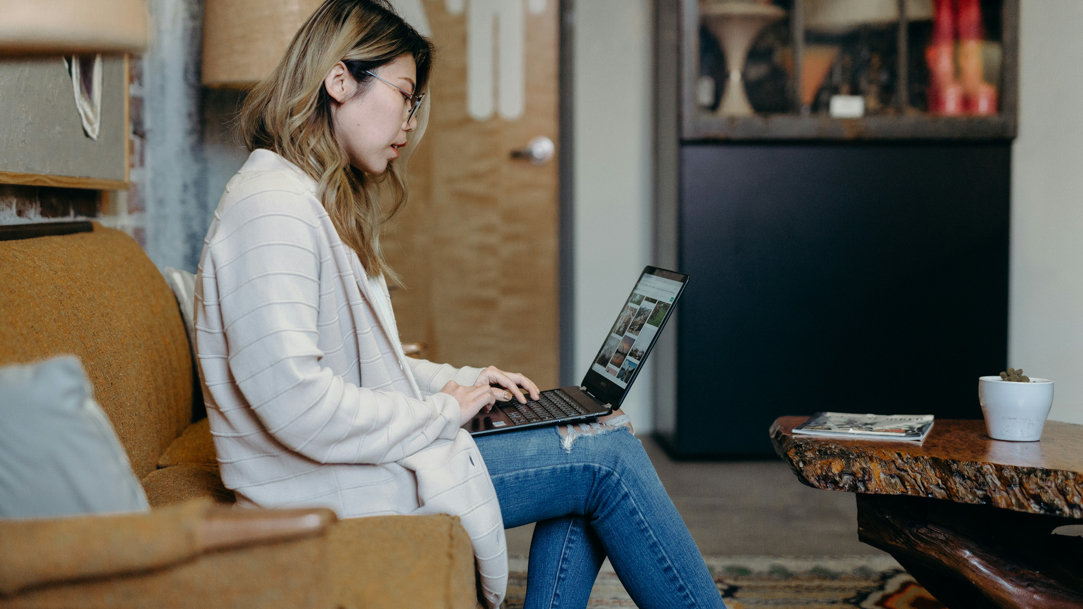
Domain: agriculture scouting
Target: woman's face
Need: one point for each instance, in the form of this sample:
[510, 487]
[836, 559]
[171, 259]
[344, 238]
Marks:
[371, 125]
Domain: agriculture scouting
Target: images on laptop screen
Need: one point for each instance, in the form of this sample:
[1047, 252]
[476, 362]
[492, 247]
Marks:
[637, 326]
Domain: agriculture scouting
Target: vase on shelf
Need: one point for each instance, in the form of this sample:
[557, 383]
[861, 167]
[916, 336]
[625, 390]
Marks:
[979, 97]
[815, 64]
[736, 24]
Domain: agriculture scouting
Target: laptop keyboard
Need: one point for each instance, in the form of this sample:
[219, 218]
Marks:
[550, 405]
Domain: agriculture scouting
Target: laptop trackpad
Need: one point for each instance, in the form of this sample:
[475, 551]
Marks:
[484, 421]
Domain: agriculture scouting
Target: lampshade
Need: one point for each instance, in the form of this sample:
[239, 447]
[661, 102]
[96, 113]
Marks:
[837, 16]
[244, 39]
[63, 27]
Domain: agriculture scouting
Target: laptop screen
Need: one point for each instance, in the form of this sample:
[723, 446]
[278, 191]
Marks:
[632, 336]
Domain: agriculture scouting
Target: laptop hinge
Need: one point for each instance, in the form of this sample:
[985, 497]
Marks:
[584, 390]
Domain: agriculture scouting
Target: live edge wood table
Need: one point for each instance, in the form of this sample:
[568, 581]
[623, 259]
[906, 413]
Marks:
[971, 518]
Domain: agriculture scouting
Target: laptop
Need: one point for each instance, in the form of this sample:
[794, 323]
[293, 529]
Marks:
[626, 346]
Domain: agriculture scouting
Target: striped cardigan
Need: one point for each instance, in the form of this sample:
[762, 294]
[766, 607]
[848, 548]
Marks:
[310, 398]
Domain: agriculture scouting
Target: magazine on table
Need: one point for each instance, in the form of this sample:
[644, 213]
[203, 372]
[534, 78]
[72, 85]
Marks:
[911, 427]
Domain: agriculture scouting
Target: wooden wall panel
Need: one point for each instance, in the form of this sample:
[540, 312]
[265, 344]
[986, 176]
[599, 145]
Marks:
[477, 244]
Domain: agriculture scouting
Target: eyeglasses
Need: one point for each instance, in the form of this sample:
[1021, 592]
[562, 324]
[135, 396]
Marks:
[410, 98]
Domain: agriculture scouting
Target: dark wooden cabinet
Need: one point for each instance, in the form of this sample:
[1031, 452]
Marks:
[865, 277]
[866, 273]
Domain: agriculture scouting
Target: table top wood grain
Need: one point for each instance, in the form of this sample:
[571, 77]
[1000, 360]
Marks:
[957, 462]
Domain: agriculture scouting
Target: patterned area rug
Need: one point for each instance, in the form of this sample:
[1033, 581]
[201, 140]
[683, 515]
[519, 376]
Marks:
[755, 582]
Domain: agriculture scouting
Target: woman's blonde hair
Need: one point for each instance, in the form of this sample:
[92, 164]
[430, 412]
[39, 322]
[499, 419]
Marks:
[289, 113]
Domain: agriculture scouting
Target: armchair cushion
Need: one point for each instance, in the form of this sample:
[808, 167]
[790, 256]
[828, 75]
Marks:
[59, 454]
[179, 483]
[397, 552]
[194, 447]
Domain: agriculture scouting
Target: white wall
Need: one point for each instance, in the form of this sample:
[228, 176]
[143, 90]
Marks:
[1046, 304]
[612, 176]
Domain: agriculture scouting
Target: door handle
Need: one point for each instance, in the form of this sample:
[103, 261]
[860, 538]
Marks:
[538, 151]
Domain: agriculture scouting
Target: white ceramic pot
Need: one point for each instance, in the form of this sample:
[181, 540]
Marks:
[1015, 411]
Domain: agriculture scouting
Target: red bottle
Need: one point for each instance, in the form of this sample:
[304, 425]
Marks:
[979, 97]
[945, 92]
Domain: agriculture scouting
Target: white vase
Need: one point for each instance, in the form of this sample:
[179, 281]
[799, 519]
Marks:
[736, 25]
[1015, 411]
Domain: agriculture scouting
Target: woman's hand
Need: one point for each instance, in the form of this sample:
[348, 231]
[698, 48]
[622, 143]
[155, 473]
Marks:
[512, 382]
[471, 398]
[493, 385]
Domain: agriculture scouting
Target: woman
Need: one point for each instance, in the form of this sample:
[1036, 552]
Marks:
[310, 398]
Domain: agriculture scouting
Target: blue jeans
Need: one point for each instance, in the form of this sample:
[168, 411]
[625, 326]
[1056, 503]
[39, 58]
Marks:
[601, 498]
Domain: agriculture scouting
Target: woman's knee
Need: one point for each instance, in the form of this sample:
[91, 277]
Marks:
[616, 449]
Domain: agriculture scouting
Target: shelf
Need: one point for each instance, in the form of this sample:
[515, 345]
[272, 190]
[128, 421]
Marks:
[786, 127]
[689, 60]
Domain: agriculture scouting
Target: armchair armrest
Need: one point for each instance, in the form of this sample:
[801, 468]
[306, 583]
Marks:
[53, 551]
[198, 554]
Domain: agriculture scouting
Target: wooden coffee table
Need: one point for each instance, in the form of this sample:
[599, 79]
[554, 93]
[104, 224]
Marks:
[969, 517]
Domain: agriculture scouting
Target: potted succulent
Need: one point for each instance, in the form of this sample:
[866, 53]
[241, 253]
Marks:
[1014, 405]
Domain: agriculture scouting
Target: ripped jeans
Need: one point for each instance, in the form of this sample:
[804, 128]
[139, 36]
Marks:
[599, 498]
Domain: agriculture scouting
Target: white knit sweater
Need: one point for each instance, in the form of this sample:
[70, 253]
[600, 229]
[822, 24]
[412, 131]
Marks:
[310, 398]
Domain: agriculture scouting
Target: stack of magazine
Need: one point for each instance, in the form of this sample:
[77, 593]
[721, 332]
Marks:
[911, 427]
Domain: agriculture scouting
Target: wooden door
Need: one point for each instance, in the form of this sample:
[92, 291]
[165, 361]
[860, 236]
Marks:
[477, 242]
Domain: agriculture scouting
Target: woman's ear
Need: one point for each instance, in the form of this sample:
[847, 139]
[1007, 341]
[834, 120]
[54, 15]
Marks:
[338, 82]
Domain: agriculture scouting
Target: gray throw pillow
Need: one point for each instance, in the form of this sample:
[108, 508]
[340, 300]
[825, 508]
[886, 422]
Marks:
[59, 454]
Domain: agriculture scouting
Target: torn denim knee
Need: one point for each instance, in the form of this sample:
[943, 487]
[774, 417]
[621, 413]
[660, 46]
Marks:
[570, 433]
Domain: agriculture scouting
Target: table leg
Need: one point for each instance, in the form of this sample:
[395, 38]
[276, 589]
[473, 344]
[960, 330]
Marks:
[971, 556]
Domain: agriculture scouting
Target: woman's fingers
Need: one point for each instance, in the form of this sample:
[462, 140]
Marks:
[512, 382]
[501, 394]
[486, 394]
[471, 398]
[493, 385]
[529, 385]
[519, 380]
